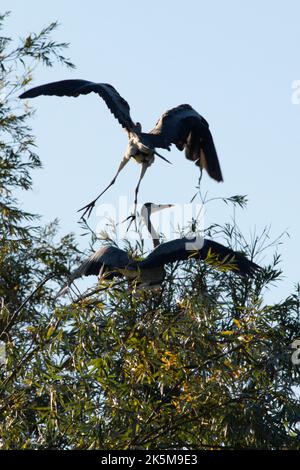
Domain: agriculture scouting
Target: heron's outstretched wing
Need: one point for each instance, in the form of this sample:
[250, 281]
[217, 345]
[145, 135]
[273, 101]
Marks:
[235, 260]
[107, 259]
[117, 105]
[176, 250]
[169, 252]
[185, 128]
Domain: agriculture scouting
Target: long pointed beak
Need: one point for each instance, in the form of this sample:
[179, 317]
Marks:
[160, 156]
[160, 207]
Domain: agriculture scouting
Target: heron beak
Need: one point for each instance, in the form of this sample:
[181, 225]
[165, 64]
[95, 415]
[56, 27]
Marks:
[160, 156]
[160, 207]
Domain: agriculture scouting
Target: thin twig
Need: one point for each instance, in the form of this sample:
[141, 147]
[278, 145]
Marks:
[19, 309]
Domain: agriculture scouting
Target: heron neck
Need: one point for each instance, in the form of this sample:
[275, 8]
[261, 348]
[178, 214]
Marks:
[152, 231]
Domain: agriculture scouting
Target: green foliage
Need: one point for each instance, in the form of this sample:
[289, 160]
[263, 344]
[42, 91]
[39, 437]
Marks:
[28, 254]
[203, 363]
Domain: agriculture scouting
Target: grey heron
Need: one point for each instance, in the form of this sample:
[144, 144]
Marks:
[181, 126]
[111, 261]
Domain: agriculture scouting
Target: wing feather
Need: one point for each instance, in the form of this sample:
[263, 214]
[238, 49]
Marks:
[116, 104]
[175, 250]
[188, 130]
[236, 261]
[107, 259]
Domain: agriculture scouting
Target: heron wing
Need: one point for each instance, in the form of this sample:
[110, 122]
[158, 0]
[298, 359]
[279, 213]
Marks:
[169, 252]
[107, 258]
[117, 105]
[188, 130]
[235, 260]
[176, 250]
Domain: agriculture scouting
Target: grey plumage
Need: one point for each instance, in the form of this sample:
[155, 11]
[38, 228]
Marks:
[107, 259]
[111, 261]
[151, 271]
[189, 131]
[181, 126]
[116, 104]
[175, 250]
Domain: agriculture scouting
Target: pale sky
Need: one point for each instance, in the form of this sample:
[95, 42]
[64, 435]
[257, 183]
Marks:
[235, 62]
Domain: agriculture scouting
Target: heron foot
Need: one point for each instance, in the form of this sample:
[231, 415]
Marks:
[132, 219]
[87, 209]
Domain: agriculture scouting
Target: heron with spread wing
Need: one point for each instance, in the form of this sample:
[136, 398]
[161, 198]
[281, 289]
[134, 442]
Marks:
[181, 126]
[110, 261]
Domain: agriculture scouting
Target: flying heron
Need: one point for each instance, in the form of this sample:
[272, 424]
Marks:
[181, 126]
[111, 261]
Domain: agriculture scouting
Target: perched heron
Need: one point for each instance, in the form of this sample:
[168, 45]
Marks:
[111, 261]
[181, 126]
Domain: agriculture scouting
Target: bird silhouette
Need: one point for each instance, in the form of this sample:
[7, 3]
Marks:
[181, 126]
[110, 261]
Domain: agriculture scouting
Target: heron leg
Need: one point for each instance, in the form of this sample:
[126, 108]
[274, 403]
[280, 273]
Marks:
[89, 207]
[142, 174]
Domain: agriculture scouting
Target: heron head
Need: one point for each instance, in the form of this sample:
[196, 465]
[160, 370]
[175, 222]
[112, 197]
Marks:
[150, 208]
[147, 210]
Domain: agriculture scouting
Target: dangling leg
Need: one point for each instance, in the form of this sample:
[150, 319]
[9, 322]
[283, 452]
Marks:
[142, 174]
[89, 207]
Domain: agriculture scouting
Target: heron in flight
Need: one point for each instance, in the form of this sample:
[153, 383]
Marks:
[110, 261]
[181, 126]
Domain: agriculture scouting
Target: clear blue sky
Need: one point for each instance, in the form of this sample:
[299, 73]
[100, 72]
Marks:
[233, 61]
